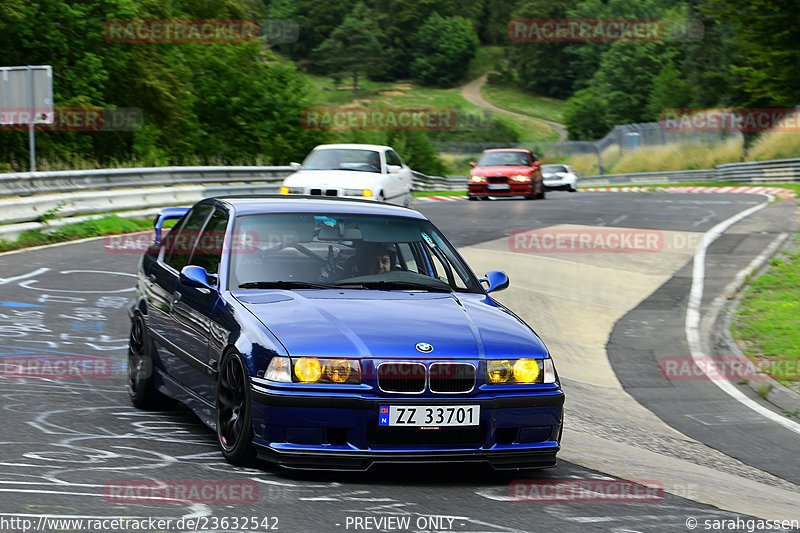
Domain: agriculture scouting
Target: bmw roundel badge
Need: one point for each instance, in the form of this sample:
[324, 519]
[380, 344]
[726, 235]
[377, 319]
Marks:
[424, 347]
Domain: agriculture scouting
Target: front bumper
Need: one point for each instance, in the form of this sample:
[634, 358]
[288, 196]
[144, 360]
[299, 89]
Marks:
[514, 189]
[559, 184]
[341, 431]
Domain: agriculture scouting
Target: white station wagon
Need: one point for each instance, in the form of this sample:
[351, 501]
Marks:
[352, 170]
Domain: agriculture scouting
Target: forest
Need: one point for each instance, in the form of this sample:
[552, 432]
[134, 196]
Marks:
[241, 102]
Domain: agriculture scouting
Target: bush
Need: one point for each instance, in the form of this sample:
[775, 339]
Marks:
[775, 145]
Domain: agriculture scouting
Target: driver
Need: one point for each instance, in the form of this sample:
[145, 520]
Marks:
[374, 259]
[374, 160]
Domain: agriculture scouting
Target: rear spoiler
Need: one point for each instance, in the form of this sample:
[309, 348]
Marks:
[170, 213]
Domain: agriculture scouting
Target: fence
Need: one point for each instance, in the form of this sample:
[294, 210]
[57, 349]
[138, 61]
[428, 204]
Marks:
[626, 137]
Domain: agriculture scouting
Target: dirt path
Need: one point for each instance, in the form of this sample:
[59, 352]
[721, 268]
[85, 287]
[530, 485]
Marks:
[472, 93]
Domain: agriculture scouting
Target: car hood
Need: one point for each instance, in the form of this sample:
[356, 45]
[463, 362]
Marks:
[389, 324]
[500, 171]
[335, 179]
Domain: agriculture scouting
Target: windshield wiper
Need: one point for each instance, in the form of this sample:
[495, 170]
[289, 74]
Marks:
[402, 285]
[284, 285]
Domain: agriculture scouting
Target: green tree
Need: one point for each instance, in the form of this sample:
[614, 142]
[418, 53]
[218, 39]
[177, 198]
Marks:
[316, 20]
[586, 115]
[669, 92]
[400, 20]
[625, 79]
[208, 102]
[543, 68]
[767, 35]
[445, 46]
[708, 61]
[352, 47]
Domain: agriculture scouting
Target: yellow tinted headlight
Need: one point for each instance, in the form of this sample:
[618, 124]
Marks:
[499, 371]
[338, 370]
[526, 371]
[308, 369]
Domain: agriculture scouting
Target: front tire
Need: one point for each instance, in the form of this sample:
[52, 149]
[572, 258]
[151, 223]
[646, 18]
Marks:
[234, 411]
[141, 379]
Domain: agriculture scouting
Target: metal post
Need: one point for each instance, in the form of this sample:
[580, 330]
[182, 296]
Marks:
[599, 159]
[31, 136]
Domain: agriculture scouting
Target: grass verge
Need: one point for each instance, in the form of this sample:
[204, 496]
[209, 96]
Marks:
[407, 95]
[108, 225]
[766, 324]
[525, 103]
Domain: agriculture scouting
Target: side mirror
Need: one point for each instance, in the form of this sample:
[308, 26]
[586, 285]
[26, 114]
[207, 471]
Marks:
[170, 213]
[497, 280]
[195, 276]
[473, 164]
[295, 166]
[393, 169]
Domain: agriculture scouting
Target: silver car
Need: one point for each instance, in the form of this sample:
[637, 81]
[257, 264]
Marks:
[560, 177]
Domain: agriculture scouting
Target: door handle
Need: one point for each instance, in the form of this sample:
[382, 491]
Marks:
[152, 278]
[176, 297]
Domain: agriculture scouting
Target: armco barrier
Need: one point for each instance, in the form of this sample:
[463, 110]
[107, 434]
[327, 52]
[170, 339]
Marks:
[27, 183]
[750, 172]
[64, 194]
[648, 178]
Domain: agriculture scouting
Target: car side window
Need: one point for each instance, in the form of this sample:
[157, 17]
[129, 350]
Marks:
[182, 243]
[208, 251]
[393, 159]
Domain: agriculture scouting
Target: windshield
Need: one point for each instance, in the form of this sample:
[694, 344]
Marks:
[343, 159]
[554, 168]
[513, 159]
[306, 251]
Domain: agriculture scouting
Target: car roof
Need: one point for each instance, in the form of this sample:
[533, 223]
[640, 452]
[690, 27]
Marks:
[353, 146]
[507, 150]
[267, 204]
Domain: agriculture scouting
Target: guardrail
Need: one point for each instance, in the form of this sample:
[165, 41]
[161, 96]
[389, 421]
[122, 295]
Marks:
[648, 178]
[750, 172]
[423, 182]
[32, 196]
[27, 183]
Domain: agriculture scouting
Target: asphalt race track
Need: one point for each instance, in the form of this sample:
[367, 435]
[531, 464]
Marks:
[66, 443]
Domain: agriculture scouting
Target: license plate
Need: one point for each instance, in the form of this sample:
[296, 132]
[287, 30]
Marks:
[425, 416]
[498, 186]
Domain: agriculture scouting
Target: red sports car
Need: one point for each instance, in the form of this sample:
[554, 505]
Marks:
[506, 172]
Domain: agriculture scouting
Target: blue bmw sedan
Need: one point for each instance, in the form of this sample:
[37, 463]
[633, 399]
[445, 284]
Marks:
[336, 334]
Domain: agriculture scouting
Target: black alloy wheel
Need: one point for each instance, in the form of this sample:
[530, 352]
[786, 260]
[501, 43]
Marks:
[234, 422]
